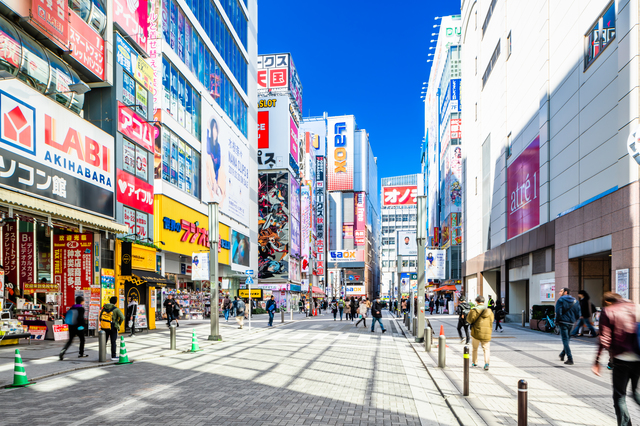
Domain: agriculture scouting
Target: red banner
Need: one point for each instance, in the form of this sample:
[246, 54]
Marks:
[263, 129]
[52, 17]
[135, 127]
[399, 195]
[132, 17]
[72, 265]
[134, 192]
[86, 45]
[10, 255]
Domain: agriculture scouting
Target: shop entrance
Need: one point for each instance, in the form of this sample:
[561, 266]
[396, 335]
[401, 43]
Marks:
[593, 274]
[518, 299]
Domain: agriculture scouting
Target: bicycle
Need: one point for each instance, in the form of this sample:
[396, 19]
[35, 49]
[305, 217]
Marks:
[549, 324]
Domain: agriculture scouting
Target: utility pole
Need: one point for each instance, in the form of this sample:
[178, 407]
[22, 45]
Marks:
[399, 272]
[421, 236]
[213, 272]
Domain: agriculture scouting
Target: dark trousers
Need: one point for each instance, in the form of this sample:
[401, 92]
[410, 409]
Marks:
[564, 333]
[623, 371]
[73, 332]
[335, 315]
[113, 335]
[463, 324]
[271, 313]
[341, 310]
[364, 318]
[498, 324]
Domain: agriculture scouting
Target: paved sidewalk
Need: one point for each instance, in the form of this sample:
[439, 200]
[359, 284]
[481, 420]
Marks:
[558, 394]
[41, 357]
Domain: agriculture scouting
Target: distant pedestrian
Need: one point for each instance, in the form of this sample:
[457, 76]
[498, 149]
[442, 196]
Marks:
[176, 313]
[168, 308]
[431, 306]
[347, 310]
[341, 307]
[240, 308]
[368, 302]
[490, 303]
[226, 307]
[334, 309]
[271, 309]
[586, 311]
[362, 312]
[110, 319]
[132, 313]
[404, 305]
[76, 323]
[567, 313]
[618, 335]
[498, 310]
[301, 305]
[463, 310]
[480, 319]
[376, 313]
[354, 308]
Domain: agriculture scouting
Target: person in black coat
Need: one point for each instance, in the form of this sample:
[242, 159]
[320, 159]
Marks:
[586, 310]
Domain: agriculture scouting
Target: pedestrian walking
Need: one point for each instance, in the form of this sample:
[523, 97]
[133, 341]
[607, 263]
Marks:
[301, 306]
[480, 319]
[463, 310]
[618, 335]
[567, 313]
[271, 309]
[586, 310]
[176, 313]
[132, 313]
[368, 302]
[341, 307]
[169, 308]
[110, 319]
[354, 308]
[404, 306]
[226, 307]
[76, 323]
[240, 308]
[490, 303]
[499, 314]
[334, 309]
[376, 313]
[347, 310]
[362, 311]
[431, 306]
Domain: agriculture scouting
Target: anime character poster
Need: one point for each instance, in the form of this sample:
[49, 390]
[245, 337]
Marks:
[273, 227]
[240, 251]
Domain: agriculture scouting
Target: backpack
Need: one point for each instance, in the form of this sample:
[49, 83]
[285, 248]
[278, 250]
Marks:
[71, 317]
[463, 310]
[106, 319]
[341, 304]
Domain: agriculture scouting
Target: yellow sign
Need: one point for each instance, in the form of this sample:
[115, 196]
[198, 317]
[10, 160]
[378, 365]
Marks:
[144, 73]
[256, 293]
[224, 256]
[143, 257]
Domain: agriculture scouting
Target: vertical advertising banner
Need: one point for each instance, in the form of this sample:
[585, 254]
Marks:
[86, 45]
[132, 17]
[53, 18]
[273, 227]
[10, 254]
[305, 226]
[27, 272]
[360, 228]
[320, 213]
[407, 243]
[523, 188]
[293, 136]
[435, 264]
[294, 198]
[453, 180]
[274, 132]
[240, 251]
[72, 265]
[340, 153]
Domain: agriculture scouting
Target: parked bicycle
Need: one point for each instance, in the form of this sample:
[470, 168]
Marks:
[548, 323]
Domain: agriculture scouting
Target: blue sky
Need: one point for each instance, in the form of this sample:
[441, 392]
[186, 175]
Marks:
[363, 58]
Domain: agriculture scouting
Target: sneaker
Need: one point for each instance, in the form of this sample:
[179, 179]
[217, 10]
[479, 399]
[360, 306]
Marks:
[83, 356]
[501, 331]
[384, 331]
[561, 357]
[114, 358]
[486, 366]
[461, 340]
[474, 365]
[569, 362]
[61, 355]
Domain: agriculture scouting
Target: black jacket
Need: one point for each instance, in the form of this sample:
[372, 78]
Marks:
[80, 321]
[376, 308]
[585, 307]
[269, 303]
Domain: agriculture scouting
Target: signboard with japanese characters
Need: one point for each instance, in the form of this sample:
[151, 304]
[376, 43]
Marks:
[72, 265]
[129, 156]
[399, 195]
[135, 127]
[274, 132]
[320, 213]
[134, 192]
[130, 219]
[132, 17]
[141, 164]
[86, 45]
[51, 153]
[52, 17]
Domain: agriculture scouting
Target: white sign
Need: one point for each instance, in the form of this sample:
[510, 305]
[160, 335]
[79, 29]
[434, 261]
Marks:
[340, 153]
[622, 283]
[274, 127]
[130, 219]
[435, 264]
[200, 266]
[304, 285]
[355, 290]
[548, 290]
[142, 224]
[407, 244]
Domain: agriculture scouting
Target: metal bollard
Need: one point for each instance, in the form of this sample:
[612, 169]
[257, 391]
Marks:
[465, 366]
[172, 337]
[442, 351]
[427, 339]
[102, 346]
[281, 316]
[522, 403]
[523, 318]
[414, 325]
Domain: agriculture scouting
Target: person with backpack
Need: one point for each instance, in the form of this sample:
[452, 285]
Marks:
[76, 323]
[271, 310]
[240, 307]
[347, 310]
[341, 307]
[376, 312]
[334, 309]
[431, 306]
[586, 310]
[463, 310]
[480, 319]
[499, 314]
[110, 319]
[132, 312]
[567, 313]
[226, 307]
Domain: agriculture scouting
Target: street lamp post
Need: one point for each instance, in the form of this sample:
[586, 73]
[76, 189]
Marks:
[213, 272]
[421, 236]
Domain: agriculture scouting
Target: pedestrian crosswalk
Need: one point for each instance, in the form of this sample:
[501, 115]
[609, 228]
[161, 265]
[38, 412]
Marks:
[310, 336]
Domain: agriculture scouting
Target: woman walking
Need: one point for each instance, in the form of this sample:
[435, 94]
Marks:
[362, 310]
[498, 311]
[347, 310]
[334, 309]
[354, 308]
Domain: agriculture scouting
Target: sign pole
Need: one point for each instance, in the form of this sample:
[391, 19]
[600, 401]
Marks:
[213, 272]
[421, 236]
[250, 306]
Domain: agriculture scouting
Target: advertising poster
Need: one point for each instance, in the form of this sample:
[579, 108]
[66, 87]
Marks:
[52, 17]
[126, 56]
[72, 265]
[305, 226]
[132, 17]
[94, 308]
[523, 187]
[10, 254]
[141, 100]
[435, 264]
[129, 157]
[130, 219]
[293, 136]
[273, 226]
[25, 236]
[295, 236]
[225, 167]
[135, 192]
[548, 290]
[142, 224]
[407, 243]
[400, 195]
[86, 45]
[453, 179]
[240, 251]
[128, 89]
[107, 282]
[61, 331]
[37, 332]
[294, 201]
[274, 146]
[200, 266]
[340, 153]
[360, 226]
[320, 213]
[622, 283]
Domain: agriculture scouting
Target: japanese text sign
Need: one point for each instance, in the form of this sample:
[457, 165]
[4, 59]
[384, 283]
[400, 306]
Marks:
[52, 17]
[399, 195]
[132, 16]
[86, 46]
[72, 268]
[135, 127]
[523, 188]
[134, 192]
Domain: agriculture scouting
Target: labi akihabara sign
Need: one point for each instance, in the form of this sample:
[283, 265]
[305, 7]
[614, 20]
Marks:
[523, 186]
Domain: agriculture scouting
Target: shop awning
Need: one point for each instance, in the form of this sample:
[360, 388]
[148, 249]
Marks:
[57, 211]
[149, 277]
[316, 290]
[445, 288]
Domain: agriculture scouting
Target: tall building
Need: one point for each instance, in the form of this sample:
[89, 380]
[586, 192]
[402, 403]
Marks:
[550, 165]
[398, 210]
[442, 149]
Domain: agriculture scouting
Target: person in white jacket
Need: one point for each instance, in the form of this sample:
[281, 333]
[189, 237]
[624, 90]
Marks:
[362, 310]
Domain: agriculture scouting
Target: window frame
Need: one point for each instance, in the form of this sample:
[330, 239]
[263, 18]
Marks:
[599, 22]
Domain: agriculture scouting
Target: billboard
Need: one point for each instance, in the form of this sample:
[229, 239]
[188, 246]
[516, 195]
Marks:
[435, 264]
[240, 251]
[86, 45]
[305, 226]
[399, 195]
[273, 227]
[294, 198]
[346, 256]
[200, 266]
[132, 17]
[135, 127]
[134, 192]
[360, 225]
[52, 18]
[51, 153]
[407, 243]
[225, 166]
[453, 180]
[320, 213]
[340, 153]
[523, 188]
[274, 132]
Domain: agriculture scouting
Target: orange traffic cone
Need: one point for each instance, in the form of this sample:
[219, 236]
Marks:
[441, 330]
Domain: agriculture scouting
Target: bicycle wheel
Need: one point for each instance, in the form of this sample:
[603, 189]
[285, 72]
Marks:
[542, 325]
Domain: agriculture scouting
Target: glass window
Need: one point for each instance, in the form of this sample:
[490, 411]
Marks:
[600, 35]
[609, 26]
[58, 89]
[98, 17]
[34, 69]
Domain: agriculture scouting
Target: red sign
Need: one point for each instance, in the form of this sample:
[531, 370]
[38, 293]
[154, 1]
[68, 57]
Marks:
[273, 78]
[399, 195]
[52, 17]
[456, 128]
[27, 258]
[361, 218]
[135, 127]
[86, 46]
[263, 129]
[72, 265]
[523, 187]
[132, 17]
[10, 255]
[134, 192]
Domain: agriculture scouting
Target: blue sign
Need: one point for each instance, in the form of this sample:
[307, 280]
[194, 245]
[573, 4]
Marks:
[125, 55]
[249, 272]
[294, 287]
[249, 280]
[351, 277]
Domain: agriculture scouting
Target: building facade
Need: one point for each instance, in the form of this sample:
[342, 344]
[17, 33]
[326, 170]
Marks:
[550, 157]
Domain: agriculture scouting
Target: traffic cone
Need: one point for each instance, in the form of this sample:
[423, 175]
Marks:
[19, 375]
[194, 342]
[441, 330]
[124, 358]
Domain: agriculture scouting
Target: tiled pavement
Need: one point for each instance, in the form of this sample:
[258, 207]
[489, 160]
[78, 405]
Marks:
[313, 371]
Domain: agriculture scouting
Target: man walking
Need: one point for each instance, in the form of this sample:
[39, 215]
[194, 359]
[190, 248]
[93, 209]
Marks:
[376, 312]
[110, 319]
[585, 315]
[271, 310]
[75, 320]
[567, 313]
[341, 307]
[226, 307]
[463, 310]
[240, 306]
[481, 320]
[132, 312]
[169, 307]
[618, 335]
